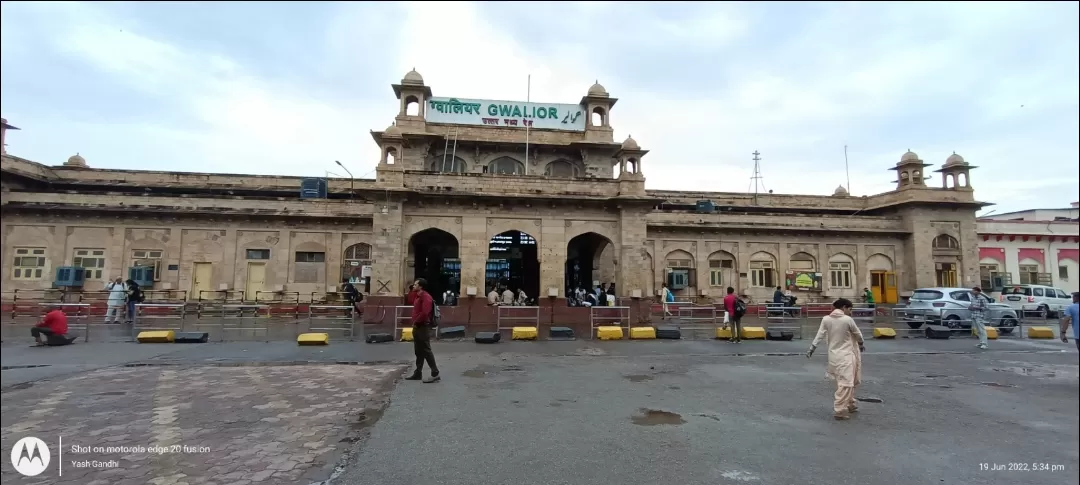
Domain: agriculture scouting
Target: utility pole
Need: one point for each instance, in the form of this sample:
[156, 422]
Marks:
[847, 171]
[528, 99]
[351, 179]
[756, 179]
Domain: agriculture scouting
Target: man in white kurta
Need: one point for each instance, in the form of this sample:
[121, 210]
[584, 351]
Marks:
[845, 343]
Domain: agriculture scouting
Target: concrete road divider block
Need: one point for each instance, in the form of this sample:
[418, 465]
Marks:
[524, 333]
[561, 333]
[488, 337]
[884, 332]
[991, 333]
[609, 332]
[191, 338]
[753, 333]
[781, 335]
[938, 332]
[668, 333]
[1040, 332]
[156, 337]
[642, 333]
[406, 334]
[378, 338]
[313, 339]
[723, 333]
[452, 332]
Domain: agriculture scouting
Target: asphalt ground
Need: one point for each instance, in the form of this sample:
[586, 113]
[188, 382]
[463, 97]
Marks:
[575, 412]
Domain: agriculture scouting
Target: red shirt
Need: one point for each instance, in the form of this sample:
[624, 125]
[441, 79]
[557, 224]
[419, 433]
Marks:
[422, 304]
[729, 304]
[56, 321]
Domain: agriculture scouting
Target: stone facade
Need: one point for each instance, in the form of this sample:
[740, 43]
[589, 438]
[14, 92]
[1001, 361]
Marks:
[209, 232]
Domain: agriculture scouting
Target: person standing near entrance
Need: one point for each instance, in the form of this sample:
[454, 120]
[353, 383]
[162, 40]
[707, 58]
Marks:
[846, 346]
[978, 315]
[117, 295]
[732, 306]
[423, 315]
[869, 297]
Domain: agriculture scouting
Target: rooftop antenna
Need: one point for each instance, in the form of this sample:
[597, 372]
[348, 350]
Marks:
[756, 179]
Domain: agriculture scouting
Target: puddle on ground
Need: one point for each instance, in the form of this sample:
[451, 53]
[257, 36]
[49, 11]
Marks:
[488, 371]
[656, 417]
[674, 388]
[638, 377]
[554, 404]
[112, 393]
[475, 373]
[876, 400]
[996, 384]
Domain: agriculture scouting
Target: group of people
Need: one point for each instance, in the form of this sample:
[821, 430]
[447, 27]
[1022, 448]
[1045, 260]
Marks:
[503, 296]
[122, 295]
[601, 295]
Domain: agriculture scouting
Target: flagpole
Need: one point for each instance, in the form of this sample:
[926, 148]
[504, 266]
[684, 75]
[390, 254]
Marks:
[528, 98]
[847, 170]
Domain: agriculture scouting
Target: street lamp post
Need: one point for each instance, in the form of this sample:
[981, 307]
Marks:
[351, 178]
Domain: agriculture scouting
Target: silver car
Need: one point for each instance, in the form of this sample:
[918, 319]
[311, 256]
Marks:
[949, 307]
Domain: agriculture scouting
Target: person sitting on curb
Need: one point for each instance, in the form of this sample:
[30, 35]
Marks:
[53, 327]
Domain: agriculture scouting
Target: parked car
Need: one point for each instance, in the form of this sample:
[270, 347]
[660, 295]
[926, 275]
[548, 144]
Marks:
[949, 307]
[1046, 301]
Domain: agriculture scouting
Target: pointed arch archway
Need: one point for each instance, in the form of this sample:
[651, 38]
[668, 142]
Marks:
[353, 261]
[513, 263]
[434, 256]
[587, 258]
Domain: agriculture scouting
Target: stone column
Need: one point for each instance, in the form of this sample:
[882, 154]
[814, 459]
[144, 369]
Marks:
[632, 257]
[473, 251]
[387, 249]
[552, 257]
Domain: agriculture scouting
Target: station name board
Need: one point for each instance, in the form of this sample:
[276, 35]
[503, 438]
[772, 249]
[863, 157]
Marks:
[482, 112]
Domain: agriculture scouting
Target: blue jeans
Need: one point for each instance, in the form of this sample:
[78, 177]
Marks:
[130, 311]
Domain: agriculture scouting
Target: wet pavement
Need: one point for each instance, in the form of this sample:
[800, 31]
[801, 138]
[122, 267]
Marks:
[577, 412]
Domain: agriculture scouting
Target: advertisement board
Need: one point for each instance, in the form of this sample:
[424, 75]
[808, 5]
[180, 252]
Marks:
[505, 114]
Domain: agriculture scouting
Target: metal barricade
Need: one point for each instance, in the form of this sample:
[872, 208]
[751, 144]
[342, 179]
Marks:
[165, 296]
[791, 318]
[958, 320]
[158, 316]
[604, 316]
[24, 303]
[509, 316]
[698, 318]
[673, 307]
[332, 319]
[243, 317]
[284, 304]
[402, 318]
[79, 312]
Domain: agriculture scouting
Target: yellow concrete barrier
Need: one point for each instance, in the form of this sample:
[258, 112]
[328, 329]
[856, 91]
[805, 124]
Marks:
[313, 339]
[991, 333]
[1040, 332]
[156, 337]
[643, 333]
[884, 332]
[723, 333]
[523, 333]
[406, 334]
[609, 333]
[752, 333]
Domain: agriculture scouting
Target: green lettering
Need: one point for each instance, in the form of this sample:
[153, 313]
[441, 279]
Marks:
[517, 112]
[493, 110]
[541, 113]
[553, 113]
[504, 110]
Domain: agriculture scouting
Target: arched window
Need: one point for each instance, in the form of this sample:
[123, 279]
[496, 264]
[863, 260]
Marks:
[561, 168]
[447, 164]
[946, 241]
[357, 252]
[506, 166]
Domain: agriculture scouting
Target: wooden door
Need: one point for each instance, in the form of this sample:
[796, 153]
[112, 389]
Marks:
[890, 289]
[202, 280]
[255, 282]
[877, 286]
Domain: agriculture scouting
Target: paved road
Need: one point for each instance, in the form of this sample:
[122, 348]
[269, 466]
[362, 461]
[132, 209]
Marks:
[578, 412]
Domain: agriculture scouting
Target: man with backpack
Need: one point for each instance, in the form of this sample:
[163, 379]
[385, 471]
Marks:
[735, 308]
[423, 320]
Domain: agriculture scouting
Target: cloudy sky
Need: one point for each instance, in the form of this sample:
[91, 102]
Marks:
[287, 88]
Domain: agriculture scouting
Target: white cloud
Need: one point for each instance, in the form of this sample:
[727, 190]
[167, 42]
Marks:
[856, 67]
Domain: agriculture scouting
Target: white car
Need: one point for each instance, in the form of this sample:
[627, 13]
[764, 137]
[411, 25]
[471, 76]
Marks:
[1046, 301]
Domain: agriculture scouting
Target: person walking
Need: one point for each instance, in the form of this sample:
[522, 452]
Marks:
[666, 297]
[846, 346]
[978, 315]
[117, 295]
[733, 307]
[1072, 315]
[423, 315]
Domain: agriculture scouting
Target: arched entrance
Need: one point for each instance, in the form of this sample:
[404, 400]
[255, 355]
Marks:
[514, 263]
[586, 263]
[434, 255]
[356, 258]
